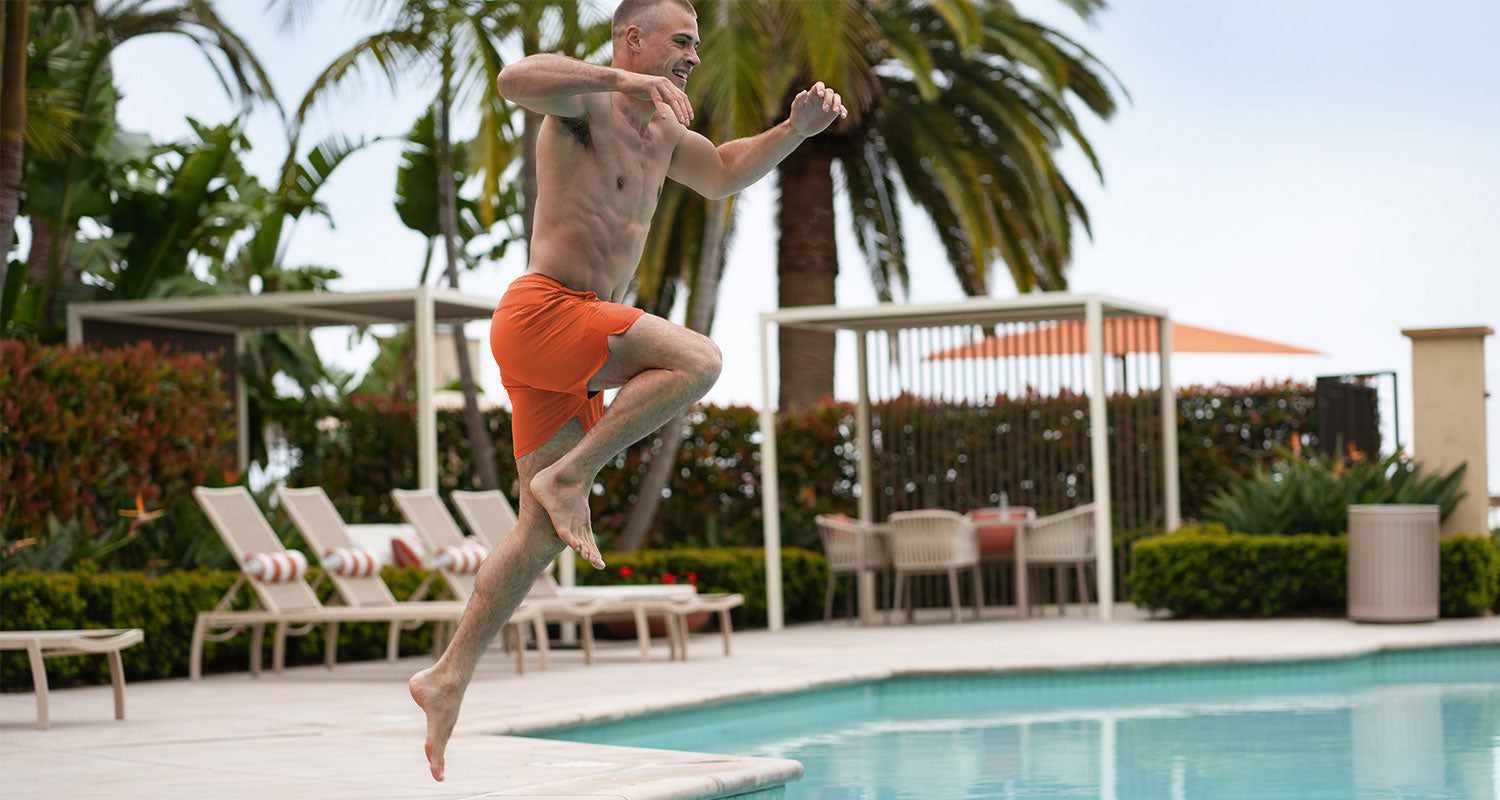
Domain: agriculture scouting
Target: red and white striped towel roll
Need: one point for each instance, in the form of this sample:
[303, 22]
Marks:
[350, 562]
[283, 567]
[460, 560]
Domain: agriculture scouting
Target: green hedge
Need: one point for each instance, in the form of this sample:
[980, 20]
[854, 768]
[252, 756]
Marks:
[166, 606]
[1210, 572]
[713, 498]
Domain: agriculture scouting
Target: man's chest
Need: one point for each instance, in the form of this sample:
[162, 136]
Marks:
[629, 152]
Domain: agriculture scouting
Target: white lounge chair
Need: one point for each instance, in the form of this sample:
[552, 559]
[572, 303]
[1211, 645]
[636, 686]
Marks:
[323, 528]
[245, 531]
[489, 515]
[491, 518]
[40, 645]
[437, 529]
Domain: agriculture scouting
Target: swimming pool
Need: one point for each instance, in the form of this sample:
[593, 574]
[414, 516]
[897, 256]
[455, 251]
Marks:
[1395, 724]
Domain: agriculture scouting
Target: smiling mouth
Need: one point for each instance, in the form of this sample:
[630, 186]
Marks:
[680, 74]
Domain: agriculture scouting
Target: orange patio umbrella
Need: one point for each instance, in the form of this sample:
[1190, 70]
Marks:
[1121, 336]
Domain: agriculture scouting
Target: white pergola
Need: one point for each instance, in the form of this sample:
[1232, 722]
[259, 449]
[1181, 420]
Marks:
[1045, 307]
[234, 316]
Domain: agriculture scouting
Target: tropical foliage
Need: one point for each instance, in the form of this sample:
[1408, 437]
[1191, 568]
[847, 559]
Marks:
[100, 453]
[86, 179]
[1312, 493]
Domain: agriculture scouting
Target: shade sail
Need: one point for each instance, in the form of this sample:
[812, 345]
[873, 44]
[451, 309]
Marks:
[1121, 336]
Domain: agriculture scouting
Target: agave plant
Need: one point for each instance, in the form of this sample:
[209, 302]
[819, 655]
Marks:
[1313, 494]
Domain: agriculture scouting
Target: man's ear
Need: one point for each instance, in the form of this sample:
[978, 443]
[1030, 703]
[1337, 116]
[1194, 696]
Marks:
[633, 37]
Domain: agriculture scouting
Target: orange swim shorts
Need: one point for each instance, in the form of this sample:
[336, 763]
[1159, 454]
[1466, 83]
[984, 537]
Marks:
[549, 340]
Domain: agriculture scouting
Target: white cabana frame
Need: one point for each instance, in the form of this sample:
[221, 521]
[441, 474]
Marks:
[1044, 307]
[422, 307]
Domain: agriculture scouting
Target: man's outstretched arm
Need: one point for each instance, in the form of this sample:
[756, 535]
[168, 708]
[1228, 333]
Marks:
[721, 171]
[552, 84]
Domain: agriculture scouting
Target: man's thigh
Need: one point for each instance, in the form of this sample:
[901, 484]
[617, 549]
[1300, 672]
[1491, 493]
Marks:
[528, 465]
[651, 343]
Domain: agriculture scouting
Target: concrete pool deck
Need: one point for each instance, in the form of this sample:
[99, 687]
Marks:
[354, 732]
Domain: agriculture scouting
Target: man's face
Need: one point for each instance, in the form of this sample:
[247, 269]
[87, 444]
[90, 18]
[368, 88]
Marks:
[669, 43]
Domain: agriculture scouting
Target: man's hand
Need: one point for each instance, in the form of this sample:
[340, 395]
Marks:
[659, 91]
[815, 109]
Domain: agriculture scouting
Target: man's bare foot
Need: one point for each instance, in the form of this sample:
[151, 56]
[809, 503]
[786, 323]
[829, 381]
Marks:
[440, 703]
[568, 506]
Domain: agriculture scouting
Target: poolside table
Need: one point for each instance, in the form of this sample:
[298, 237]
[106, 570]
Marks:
[41, 645]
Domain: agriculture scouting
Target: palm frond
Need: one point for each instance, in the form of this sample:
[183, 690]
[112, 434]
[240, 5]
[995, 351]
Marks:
[910, 48]
[833, 42]
[730, 86]
[963, 20]
[51, 114]
[387, 51]
[877, 217]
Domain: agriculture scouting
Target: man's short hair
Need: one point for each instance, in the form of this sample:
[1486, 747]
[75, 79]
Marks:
[630, 11]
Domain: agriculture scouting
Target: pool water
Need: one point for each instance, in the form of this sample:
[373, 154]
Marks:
[1403, 724]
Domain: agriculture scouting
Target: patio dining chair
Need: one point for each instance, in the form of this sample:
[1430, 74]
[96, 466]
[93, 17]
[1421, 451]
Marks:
[935, 541]
[853, 547]
[1060, 541]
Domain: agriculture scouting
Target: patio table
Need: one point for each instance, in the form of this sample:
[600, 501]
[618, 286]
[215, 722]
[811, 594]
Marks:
[881, 532]
[41, 645]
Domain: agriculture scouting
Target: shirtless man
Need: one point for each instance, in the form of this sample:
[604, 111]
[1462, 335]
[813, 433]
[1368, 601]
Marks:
[610, 138]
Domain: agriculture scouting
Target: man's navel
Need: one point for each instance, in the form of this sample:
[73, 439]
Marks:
[620, 183]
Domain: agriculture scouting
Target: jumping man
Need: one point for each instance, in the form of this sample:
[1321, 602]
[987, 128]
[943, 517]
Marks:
[610, 138]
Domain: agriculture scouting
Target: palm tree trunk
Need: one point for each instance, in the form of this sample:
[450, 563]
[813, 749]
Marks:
[700, 319]
[16, 24]
[807, 268]
[531, 128]
[482, 449]
[39, 260]
[50, 262]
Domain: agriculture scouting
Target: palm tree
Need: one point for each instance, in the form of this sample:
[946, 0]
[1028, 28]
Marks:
[964, 104]
[15, 25]
[903, 67]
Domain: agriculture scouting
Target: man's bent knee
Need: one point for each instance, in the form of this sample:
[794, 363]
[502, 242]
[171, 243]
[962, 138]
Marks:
[710, 364]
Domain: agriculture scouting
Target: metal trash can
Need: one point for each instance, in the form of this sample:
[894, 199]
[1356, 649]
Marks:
[1393, 563]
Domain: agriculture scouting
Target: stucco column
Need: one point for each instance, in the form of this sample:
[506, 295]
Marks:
[1448, 426]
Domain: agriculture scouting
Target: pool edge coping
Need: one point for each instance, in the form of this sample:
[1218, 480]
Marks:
[534, 727]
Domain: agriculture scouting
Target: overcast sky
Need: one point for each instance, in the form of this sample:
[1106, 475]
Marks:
[1319, 173]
